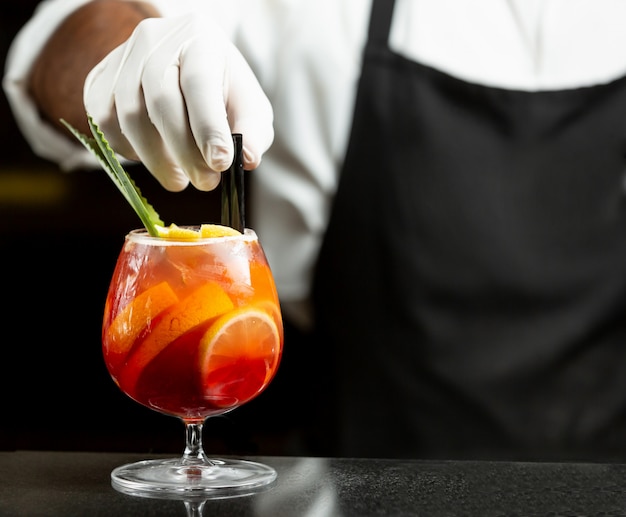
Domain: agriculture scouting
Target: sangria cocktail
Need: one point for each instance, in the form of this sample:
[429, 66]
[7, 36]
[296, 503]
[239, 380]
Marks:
[192, 329]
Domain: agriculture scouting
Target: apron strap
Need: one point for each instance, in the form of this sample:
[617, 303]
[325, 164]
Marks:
[380, 22]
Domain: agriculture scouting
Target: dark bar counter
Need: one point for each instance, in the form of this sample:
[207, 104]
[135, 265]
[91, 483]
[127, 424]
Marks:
[34, 483]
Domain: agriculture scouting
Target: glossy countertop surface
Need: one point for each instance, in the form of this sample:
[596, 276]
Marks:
[36, 483]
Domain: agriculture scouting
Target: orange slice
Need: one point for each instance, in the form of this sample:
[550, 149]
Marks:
[205, 303]
[272, 309]
[136, 316]
[239, 354]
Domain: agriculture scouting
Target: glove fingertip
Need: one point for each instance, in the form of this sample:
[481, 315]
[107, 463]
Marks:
[219, 157]
[207, 180]
[250, 159]
[174, 180]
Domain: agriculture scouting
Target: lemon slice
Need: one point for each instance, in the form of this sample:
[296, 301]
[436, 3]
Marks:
[217, 230]
[206, 231]
[239, 354]
[175, 232]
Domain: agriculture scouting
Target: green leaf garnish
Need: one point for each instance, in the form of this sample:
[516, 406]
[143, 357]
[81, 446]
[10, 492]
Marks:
[100, 148]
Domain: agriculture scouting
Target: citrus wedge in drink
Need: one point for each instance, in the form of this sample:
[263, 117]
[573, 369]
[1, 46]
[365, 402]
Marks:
[205, 303]
[239, 355]
[133, 319]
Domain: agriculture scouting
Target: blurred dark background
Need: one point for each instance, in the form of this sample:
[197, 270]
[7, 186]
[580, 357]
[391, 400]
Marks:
[60, 234]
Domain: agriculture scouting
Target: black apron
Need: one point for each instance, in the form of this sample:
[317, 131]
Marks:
[472, 280]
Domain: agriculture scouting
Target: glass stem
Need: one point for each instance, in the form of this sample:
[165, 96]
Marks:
[194, 508]
[194, 453]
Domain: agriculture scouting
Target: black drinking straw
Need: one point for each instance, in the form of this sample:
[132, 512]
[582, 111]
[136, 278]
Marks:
[232, 189]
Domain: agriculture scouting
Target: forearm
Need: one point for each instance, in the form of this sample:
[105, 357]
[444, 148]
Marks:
[80, 42]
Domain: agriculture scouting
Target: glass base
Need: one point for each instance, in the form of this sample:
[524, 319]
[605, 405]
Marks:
[172, 479]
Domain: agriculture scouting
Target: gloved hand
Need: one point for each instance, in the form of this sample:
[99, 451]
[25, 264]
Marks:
[172, 95]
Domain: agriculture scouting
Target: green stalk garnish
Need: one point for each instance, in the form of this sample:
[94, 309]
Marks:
[100, 148]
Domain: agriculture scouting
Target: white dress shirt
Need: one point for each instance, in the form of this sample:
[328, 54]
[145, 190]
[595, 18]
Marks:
[307, 55]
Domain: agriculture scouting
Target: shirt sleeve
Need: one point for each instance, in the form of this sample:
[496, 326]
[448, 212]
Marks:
[45, 141]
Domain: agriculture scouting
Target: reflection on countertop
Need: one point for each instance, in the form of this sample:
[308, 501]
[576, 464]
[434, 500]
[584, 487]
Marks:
[75, 484]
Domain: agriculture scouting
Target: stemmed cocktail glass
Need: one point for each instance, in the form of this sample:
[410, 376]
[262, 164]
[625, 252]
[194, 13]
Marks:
[192, 329]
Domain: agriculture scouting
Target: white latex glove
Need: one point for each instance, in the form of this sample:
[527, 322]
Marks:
[172, 95]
